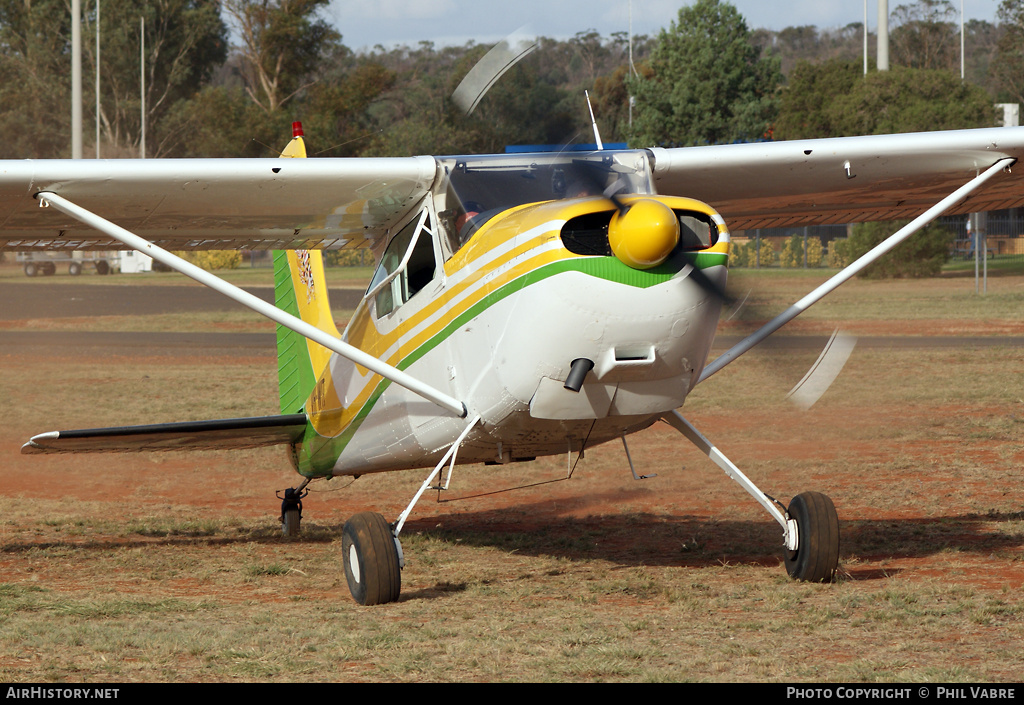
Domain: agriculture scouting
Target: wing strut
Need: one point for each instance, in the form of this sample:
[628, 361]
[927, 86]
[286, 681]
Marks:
[255, 303]
[853, 269]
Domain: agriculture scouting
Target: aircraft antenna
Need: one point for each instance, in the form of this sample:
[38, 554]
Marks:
[597, 135]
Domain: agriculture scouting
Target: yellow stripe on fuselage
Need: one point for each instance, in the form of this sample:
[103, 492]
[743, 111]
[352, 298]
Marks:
[507, 226]
[332, 424]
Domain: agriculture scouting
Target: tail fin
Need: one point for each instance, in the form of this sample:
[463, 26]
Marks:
[300, 288]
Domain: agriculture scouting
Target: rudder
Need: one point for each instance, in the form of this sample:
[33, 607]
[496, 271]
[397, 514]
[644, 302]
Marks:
[300, 288]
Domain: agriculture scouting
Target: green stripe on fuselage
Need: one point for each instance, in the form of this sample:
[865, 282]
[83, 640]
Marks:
[323, 452]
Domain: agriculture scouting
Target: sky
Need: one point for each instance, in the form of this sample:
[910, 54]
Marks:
[456, 22]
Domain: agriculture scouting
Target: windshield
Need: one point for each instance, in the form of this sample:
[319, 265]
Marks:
[480, 187]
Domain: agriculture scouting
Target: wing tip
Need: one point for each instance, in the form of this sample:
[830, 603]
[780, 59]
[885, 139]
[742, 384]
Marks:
[37, 444]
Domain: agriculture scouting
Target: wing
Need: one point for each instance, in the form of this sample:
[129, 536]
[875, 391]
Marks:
[213, 203]
[843, 180]
[220, 434]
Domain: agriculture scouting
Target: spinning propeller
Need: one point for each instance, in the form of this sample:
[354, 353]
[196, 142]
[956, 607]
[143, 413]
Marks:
[644, 232]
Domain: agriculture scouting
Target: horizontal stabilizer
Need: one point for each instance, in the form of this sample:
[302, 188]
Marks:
[217, 434]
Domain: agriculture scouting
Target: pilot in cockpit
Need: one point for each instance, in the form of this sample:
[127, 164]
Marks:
[462, 224]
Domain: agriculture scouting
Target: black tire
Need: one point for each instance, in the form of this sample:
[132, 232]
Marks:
[372, 566]
[816, 557]
[102, 267]
[49, 269]
[31, 270]
[74, 269]
[292, 520]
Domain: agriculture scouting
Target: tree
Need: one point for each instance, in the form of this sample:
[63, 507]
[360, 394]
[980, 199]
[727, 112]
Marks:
[35, 85]
[925, 35]
[807, 43]
[1008, 66]
[185, 42]
[920, 256]
[283, 44]
[710, 84]
[835, 99]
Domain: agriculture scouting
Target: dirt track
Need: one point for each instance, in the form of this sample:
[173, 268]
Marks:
[922, 503]
[41, 299]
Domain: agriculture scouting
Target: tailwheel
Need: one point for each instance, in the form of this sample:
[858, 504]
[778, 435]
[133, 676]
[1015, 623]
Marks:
[373, 564]
[816, 557]
[291, 522]
[291, 510]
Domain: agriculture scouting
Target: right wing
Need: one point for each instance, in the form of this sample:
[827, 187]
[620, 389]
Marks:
[843, 179]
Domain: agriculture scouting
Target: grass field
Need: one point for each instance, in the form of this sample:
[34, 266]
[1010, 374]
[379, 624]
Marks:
[170, 567]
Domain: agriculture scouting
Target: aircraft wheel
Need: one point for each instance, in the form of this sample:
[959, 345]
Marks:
[816, 557]
[292, 520]
[372, 566]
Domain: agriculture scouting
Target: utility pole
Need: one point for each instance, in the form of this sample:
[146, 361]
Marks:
[865, 37]
[961, 40]
[142, 84]
[76, 79]
[97, 79]
[883, 35]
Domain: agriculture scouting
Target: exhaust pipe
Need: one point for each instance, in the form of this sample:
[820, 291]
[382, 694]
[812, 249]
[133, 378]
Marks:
[577, 373]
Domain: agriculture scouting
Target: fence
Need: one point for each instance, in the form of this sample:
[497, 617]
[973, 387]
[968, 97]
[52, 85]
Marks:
[1004, 241]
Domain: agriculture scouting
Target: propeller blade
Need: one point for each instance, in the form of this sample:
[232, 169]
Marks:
[711, 287]
[502, 56]
[824, 371]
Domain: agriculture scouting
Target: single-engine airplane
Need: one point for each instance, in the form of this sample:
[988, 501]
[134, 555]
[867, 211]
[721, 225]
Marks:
[522, 304]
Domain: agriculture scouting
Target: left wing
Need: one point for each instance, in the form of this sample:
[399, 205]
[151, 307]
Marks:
[219, 434]
[213, 203]
[844, 179]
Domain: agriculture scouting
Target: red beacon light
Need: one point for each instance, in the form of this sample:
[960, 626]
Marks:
[296, 129]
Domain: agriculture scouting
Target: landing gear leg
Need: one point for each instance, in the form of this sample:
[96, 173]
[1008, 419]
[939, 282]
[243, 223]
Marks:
[371, 549]
[810, 527]
[291, 508]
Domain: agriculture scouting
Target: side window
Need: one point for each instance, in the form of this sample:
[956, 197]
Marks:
[406, 271]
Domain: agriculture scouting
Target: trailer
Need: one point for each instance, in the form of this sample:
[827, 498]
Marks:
[46, 263]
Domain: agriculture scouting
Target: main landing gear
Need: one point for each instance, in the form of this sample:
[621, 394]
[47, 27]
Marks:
[373, 559]
[371, 552]
[810, 525]
[816, 556]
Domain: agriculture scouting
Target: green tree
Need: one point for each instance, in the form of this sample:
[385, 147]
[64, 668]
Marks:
[1008, 67]
[284, 43]
[793, 255]
[922, 255]
[835, 99]
[185, 42]
[925, 35]
[807, 43]
[35, 85]
[710, 84]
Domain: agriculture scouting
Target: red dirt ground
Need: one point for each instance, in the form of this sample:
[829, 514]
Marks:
[601, 493]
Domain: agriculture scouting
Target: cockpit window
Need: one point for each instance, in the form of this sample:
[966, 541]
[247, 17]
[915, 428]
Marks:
[408, 265]
[480, 187]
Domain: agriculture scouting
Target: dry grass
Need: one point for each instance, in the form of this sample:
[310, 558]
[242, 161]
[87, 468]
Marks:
[170, 567]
